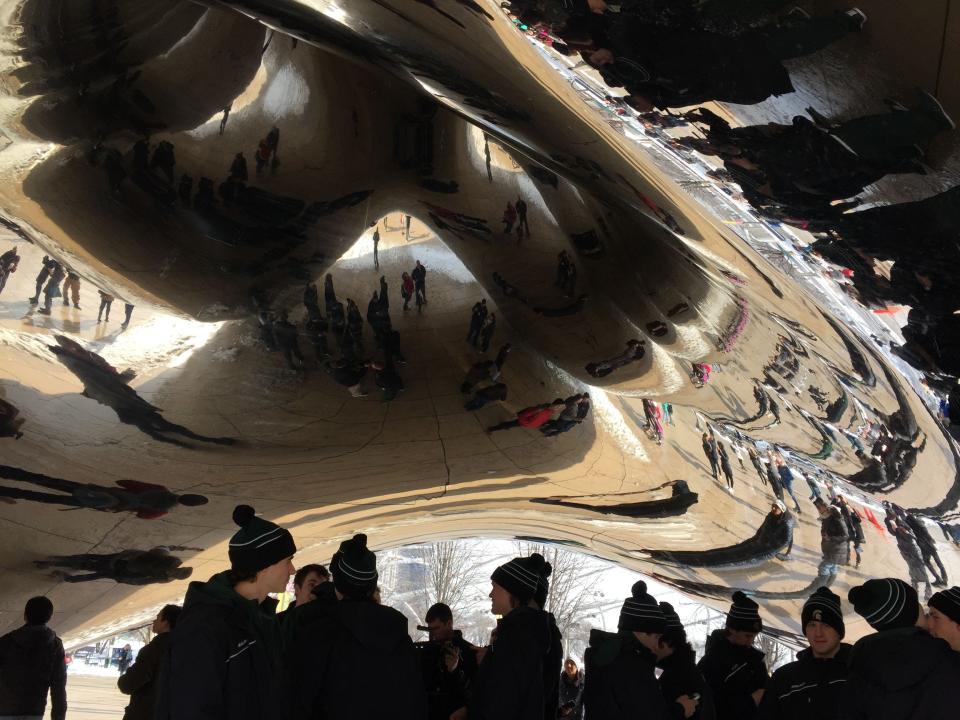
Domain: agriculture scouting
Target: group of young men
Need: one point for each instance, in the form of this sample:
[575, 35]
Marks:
[339, 653]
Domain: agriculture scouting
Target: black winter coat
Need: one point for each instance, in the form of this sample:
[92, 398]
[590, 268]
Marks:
[680, 676]
[734, 673]
[509, 684]
[901, 674]
[571, 696]
[224, 658]
[31, 663]
[552, 667]
[354, 659]
[447, 691]
[620, 682]
[807, 688]
[140, 679]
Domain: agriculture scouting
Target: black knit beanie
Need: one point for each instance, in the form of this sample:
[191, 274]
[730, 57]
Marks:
[947, 602]
[823, 606]
[354, 568]
[886, 604]
[640, 611]
[258, 543]
[543, 586]
[671, 618]
[521, 576]
[744, 614]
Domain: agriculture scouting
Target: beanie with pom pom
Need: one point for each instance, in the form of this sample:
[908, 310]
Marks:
[258, 543]
[543, 586]
[744, 614]
[641, 612]
[354, 569]
[521, 576]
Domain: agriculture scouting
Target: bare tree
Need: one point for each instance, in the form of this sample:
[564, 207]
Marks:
[775, 652]
[452, 571]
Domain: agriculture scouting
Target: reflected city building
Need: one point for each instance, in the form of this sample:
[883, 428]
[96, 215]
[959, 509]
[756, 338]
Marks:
[681, 386]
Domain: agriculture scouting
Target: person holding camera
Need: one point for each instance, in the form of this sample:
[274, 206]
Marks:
[448, 664]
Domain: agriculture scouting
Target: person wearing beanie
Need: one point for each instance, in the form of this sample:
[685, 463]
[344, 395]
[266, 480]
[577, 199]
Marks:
[225, 652]
[813, 685]
[943, 620]
[732, 667]
[680, 680]
[901, 671]
[510, 680]
[353, 657]
[553, 663]
[620, 667]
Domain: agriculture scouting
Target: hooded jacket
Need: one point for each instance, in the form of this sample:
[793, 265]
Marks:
[224, 658]
[680, 676]
[509, 684]
[734, 673]
[354, 659]
[140, 679]
[620, 680]
[900, 674]
[32, 662]
[807, 688]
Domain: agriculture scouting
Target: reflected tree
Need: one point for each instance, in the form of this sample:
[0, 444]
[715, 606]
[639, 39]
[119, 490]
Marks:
[452, 572]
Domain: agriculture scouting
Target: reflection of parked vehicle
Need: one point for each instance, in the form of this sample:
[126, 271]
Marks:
[84, 653]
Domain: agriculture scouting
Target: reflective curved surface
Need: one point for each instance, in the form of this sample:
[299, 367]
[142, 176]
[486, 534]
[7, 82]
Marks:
[211, 179]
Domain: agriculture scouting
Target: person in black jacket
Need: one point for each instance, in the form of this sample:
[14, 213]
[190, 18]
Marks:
[225, 656]
[620, 682]
[509, 684]
[901, 671]
[680, 680]
[854, 526]
[732, 667]
[140, 679]
[31, 664]
[353, 658]
[448, 663]
[813, 685]
[305, 581]
[554, 660]
[943, 618]
[571, 692]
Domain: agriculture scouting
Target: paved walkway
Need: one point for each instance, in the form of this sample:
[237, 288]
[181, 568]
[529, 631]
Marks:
[92, 697]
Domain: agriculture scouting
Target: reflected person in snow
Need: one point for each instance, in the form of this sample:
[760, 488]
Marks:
[102, 382]
[774, 538]
[146, 500]
[128, 567]
[680, 500]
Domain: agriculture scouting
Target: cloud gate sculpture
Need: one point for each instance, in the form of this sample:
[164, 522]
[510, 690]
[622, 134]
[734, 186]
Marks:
[236, 180]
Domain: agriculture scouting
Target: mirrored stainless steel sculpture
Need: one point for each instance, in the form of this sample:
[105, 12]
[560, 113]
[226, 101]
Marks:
[202, 164]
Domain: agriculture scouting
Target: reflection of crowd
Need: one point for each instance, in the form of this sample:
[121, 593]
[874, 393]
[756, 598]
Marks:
[682, 54]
